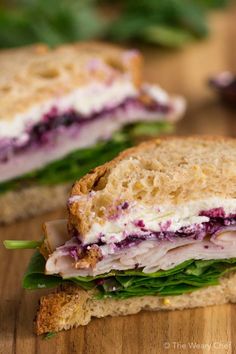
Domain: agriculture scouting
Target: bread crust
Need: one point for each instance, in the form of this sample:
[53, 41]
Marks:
[72, 307]
[80, 208]
[34, 74]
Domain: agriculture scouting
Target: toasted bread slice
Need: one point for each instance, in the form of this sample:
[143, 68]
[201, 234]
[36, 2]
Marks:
[72, 307]
[171, 171]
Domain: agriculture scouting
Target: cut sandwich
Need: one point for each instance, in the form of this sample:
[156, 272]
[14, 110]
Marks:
[153, 229]
[61, 110]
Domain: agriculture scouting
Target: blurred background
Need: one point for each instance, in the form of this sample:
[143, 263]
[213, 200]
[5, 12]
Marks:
[170, 23]
[186, 43]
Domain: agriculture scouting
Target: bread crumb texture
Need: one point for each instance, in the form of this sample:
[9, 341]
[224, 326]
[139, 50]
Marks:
[34, 74]
[164, 171]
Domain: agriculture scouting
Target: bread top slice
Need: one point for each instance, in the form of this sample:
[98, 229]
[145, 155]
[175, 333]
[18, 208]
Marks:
[172, 172]
[34, 74]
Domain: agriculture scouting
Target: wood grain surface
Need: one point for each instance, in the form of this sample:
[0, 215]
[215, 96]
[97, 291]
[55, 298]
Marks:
[209, 330]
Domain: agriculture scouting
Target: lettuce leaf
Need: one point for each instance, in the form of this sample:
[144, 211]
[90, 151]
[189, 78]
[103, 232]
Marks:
[35, 278]
[80, 162]
[186, 277]
[21, 244]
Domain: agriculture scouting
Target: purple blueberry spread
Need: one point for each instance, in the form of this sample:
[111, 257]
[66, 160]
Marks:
[218, 222]
[213, 213]
[139, 223]
[124, 205]
[53, 123]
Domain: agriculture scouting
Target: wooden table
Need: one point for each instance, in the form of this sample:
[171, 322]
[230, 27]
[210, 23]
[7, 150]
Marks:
[210, 330]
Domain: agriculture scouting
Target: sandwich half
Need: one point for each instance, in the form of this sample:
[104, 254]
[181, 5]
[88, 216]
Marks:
[60, 111]
[153, 229]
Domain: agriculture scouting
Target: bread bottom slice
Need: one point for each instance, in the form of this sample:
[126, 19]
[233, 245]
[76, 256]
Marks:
[72, 307]
[32, 201]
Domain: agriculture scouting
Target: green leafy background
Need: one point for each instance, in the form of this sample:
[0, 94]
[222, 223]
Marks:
[170, 23]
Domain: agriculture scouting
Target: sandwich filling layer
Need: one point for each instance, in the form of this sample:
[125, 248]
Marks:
[164, 263]
[65, 128]
[150, 245]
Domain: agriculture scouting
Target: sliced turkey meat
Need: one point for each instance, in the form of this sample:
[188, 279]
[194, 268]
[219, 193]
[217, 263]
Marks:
[151, 254]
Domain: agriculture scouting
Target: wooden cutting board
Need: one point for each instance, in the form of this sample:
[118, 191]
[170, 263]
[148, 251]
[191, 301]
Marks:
[209, 330]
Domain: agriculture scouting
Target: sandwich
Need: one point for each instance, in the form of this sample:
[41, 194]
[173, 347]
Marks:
[153, 229]
[66, 110]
